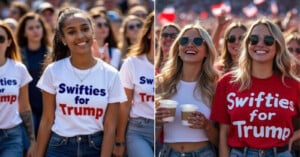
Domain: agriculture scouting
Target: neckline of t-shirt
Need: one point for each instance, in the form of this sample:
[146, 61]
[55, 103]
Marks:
[264, 79]
[71, 67]
[188, 82]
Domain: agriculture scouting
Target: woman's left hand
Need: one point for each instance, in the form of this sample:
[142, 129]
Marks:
[198, 120]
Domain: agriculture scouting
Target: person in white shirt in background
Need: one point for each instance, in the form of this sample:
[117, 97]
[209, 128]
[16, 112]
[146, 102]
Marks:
[136, 120]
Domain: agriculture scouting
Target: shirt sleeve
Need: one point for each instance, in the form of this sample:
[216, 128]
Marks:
[46, 81]
[126, 74]
[25, 76]
[219, 111]
[116, 92]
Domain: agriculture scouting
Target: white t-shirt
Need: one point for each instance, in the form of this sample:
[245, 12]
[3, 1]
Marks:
[13, 76]
[80, 107]
[175, 131]
[137, 73]
[115, 59]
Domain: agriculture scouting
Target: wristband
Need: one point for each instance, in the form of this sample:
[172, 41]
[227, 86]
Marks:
[120, 144]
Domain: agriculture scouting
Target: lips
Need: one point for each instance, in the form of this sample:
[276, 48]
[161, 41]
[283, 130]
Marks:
[190, 52]
[260, 52]
[82, 43]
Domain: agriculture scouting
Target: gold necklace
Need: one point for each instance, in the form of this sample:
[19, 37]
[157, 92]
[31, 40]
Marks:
[84, 77]
[81, 79]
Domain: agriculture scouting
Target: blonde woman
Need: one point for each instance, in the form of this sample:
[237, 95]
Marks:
[188, 77]
[255, 103]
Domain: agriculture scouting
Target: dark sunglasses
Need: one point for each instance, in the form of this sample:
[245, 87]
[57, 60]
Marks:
[232, 38]
[268, 40]
[2, 39]
[170, 35]
[185, 41]
[138, 26]
[100, 25]
[297, 50]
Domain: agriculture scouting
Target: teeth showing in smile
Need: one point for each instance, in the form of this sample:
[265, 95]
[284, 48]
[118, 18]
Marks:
[260, 52]
[82, 43]
[190, 52]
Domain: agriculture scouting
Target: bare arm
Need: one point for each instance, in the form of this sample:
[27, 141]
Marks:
[122, 123]
[223, 147]
[46, 123]
[222, 23]
[110, 124]
[26, 116]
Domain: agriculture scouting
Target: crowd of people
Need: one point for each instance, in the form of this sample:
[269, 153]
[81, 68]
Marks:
[101, 79]
[242, 75]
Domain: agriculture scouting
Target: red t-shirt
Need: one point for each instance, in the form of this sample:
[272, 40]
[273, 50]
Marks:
[259, 117]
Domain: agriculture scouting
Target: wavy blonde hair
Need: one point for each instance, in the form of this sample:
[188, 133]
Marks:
[167, 80]
[282, 64]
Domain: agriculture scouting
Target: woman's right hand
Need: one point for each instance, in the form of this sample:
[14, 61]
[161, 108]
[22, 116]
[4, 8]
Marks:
[160, 114]
[119, 151]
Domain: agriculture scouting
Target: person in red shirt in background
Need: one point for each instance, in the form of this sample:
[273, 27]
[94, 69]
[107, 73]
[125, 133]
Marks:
[255, 104]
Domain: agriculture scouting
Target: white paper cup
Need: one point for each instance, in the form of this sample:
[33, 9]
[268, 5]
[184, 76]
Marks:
[186, 111]
[171, 105]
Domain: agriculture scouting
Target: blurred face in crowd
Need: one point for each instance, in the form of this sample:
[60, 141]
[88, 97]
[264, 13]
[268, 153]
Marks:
[33, 30]
[261, 47]
[168, 35]
[4, 42]
[14, 13]
[48, 15]
[294, 48]
[132, 30]
[101, 28]
[234, 40]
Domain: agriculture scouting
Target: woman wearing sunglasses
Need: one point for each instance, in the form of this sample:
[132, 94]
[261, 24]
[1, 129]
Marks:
[234, 34]
[256, 102]
[136, 120]
[166, 37]
[103, 35]
[129, 30]
[293, 43]
[188, 77]
[14, 101]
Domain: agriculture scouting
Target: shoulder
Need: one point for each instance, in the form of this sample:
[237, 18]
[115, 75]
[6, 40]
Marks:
[16, 64]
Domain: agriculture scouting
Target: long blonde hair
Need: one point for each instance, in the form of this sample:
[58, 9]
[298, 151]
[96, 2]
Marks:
[282, 64]
[167, 80]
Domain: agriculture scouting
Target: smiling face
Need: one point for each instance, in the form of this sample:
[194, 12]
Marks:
[234, 46]
[78, 34]
[168, 35]
[192, 51]
[261, 52]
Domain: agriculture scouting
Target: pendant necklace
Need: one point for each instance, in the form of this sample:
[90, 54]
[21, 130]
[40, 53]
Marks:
[81, 79]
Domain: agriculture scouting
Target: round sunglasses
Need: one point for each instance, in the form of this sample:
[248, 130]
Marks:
[296, 50]
[197, 41]
[132, 26]
[169, 35]
[268, 40]
[232, 38]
